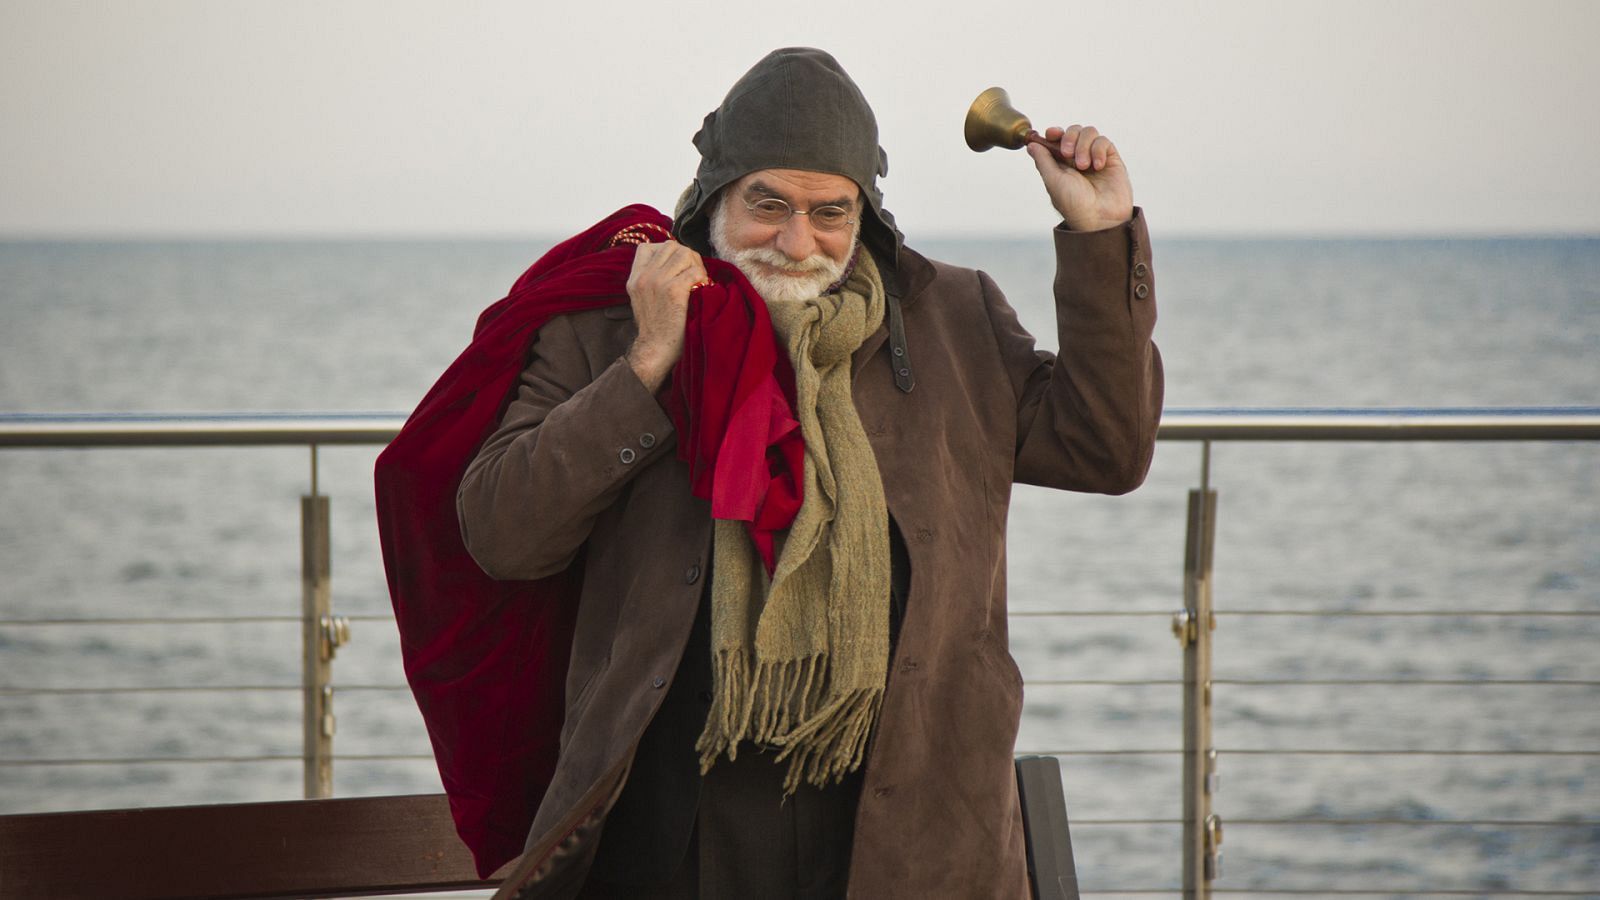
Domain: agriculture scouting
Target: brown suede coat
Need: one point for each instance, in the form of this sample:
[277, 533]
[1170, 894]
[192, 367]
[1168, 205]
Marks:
[584, 468]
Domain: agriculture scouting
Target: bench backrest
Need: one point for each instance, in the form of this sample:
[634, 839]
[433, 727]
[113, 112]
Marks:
[299, 848]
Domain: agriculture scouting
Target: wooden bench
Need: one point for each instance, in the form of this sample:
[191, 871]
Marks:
[352, 847]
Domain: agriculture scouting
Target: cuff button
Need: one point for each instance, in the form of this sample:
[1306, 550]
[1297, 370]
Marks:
[1140, 270]
[1142, 291]
[627, 455]
[647, 440]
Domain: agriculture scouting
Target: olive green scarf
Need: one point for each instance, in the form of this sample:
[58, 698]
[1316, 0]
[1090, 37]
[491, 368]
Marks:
[799, 663]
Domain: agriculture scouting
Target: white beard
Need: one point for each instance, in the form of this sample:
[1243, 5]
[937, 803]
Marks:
[810, 276]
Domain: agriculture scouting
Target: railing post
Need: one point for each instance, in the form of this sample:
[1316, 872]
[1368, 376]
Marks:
[321, 635]
[1202, 830]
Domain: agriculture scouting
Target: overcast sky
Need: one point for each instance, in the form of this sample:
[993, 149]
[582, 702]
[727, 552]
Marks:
[311, 117]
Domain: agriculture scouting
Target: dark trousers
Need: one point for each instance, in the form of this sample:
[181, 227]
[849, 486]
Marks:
[731, 833]
[748, 841]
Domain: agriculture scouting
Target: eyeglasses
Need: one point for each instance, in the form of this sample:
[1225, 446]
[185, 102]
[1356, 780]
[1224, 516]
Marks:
[772, 211]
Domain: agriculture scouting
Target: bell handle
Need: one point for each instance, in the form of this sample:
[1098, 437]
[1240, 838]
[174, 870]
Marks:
[1034, 137]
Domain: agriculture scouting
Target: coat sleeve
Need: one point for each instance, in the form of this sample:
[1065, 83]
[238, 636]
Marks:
[1086, 419]
[567, 445]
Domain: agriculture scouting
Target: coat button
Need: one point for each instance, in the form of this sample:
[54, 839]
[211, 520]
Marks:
[899, 351]
[1142, 291]
[647, 440]
[691, 574]
[627, 455]
[658, 682]
[1140, 270]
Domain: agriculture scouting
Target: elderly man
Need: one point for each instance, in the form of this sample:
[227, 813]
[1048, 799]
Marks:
[844, 724]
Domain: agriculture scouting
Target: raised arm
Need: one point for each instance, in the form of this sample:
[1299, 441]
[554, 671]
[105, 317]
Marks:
[583, 423]
[568, 444]
[1086, 420]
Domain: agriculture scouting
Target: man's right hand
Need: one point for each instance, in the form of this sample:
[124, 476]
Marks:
[658, 289]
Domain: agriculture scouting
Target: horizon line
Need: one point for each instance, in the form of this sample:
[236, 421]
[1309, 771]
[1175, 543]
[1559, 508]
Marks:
[420, 236]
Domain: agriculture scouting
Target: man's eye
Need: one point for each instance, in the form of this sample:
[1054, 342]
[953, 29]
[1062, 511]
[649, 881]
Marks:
[769, 208]
[829, 216]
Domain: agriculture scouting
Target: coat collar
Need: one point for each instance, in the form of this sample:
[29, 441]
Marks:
[912, 274]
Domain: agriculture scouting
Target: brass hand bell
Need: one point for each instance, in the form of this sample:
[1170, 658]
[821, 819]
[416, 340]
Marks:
[993, 122]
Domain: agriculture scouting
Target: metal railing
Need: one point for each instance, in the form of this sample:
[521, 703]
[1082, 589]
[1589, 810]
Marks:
[323, 632]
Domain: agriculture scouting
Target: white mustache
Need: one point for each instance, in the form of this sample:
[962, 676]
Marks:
[767, 256]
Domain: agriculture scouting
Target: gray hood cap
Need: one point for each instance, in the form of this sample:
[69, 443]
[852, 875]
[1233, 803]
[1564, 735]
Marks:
[795, 109]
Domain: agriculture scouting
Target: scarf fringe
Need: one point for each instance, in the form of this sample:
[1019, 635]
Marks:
[785, 704]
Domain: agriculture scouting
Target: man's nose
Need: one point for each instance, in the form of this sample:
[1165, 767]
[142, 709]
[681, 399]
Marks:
[796, 239]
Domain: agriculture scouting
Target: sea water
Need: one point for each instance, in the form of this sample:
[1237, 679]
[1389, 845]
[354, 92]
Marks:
[1446, 528]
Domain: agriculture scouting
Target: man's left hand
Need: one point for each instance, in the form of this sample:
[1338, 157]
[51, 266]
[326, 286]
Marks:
[1092, 191]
